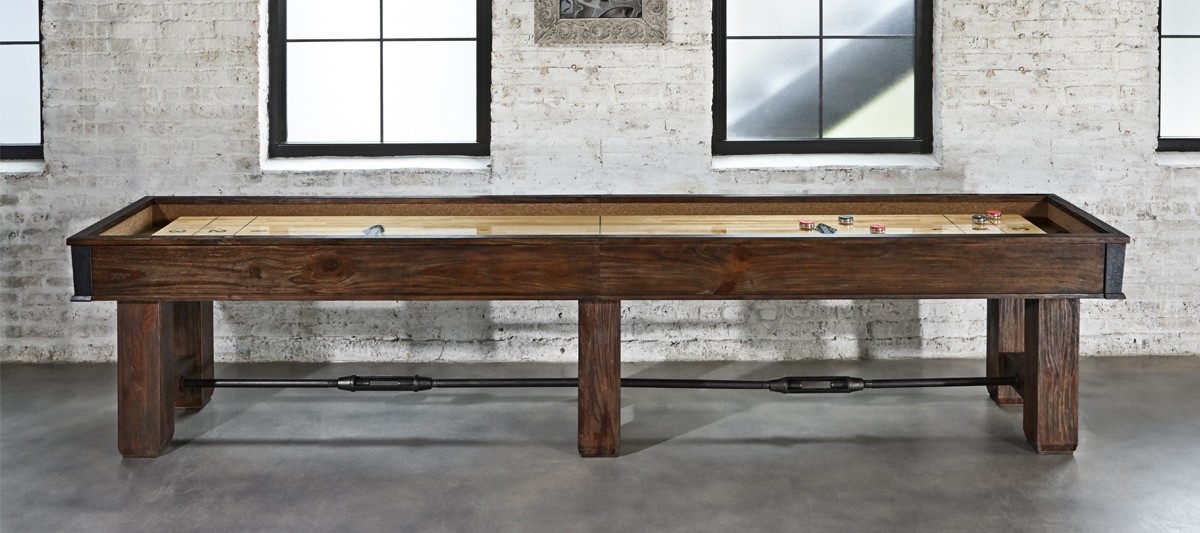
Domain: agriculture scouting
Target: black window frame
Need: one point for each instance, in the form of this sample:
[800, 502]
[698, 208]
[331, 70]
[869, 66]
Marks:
[1171, 144]
[277, 96]
[920, 143]
[31, 152]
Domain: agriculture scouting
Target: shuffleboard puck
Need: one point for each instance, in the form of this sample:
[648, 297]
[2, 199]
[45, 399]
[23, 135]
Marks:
[808, 225]
[979, 222]
[878, 228]
[846, 220]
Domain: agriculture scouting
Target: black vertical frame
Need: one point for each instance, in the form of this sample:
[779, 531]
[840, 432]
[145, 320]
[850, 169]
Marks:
[277, 97]
[1171, 144]
[19, 152]
[921, 142]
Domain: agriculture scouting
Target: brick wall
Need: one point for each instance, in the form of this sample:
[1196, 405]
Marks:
[166, 97]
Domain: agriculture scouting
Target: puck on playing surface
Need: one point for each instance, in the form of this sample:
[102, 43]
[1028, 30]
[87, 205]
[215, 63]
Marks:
[845, 220]
[808, 224]
[878, 228]
[993, 214]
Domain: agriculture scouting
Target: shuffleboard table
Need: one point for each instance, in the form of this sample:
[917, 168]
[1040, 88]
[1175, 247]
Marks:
[165, 260]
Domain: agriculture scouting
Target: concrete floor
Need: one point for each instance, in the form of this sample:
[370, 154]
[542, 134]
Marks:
[505, 460]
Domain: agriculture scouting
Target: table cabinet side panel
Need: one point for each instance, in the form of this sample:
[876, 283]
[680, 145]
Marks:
[316, 272]
[852, 268]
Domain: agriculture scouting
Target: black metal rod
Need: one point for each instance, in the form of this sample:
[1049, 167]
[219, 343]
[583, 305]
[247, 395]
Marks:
[723, 384]
[785, 385]
[260, 383]
[504, 382]
[1011, 381]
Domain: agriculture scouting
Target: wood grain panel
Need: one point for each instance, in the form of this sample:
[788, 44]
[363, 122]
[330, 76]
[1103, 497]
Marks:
[1050, 377]
[344, 272]
[145, 391]
[599, 378]
[192, 350]
[825, 268]
[1005, 335]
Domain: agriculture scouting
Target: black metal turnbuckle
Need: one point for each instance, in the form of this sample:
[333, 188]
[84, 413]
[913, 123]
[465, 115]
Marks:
[785, 385]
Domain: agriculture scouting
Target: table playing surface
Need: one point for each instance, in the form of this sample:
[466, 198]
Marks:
[665, 225]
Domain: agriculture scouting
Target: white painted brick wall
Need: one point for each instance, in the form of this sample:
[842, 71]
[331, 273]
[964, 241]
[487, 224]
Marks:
[165, 97]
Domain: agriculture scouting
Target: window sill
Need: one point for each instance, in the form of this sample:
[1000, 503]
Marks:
[1178, 159]
[14, 168]
[819, 161]
[322, 164]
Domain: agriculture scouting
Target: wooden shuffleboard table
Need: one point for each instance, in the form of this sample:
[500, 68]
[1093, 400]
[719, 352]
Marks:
[164, 260]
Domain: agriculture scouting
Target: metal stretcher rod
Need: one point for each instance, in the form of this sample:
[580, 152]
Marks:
[784, 385]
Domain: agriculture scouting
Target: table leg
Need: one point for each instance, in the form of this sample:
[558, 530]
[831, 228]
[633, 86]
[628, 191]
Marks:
[1050, 374]
[1005, 334]
[145, 388]
[193, 350]
[599, 378]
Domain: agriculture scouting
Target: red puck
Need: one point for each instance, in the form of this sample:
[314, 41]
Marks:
[878, 228]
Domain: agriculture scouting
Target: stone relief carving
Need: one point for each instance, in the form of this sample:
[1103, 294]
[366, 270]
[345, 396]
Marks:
[600, 21]
[595, 9]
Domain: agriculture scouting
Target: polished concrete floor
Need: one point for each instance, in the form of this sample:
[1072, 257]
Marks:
[505, 460]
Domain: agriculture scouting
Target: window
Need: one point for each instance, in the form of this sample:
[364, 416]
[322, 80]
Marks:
[379, 77]
[822, 76]
[1179, 111]
[21, 72]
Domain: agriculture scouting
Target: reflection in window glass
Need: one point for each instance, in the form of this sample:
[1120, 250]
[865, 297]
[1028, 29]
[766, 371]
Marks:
[859, 75]
[767, 99]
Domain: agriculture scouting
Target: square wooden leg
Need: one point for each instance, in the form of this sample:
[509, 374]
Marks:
[1005, 334]
[145, 371]
[1050, 374]
[193, 350]
[599, 378]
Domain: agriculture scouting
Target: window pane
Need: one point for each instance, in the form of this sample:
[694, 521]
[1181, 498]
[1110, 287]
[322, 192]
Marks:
[869, 17]
[325, 19]
[20, 96]
[773, 17]
[888, 115]
[860, 76]
[1180, 81]
[19, 20]
[333, 92]
[426, 18]
[429, 92]
[1181, 17]
[772, 89]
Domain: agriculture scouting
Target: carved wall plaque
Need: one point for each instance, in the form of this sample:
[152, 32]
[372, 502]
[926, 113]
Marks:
[550, 27]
